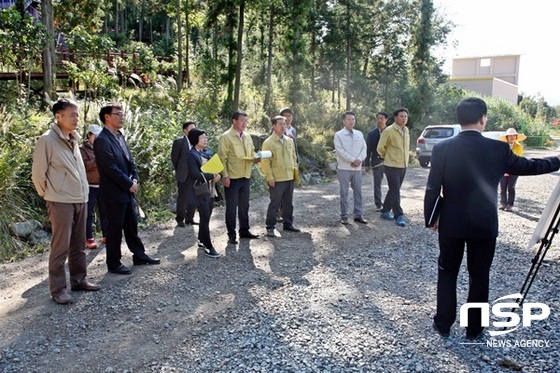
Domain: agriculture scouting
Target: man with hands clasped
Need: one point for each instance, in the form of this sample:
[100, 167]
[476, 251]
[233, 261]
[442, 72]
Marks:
[279, 171]
[350, 148]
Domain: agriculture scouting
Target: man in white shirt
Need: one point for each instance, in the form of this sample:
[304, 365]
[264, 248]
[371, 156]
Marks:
[350, 148]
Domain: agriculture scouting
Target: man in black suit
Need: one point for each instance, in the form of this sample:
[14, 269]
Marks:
[179, 154]
[373, 160]
[466, 170]
[117, 184]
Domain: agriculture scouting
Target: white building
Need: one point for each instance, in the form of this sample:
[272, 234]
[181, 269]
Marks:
[495, 76]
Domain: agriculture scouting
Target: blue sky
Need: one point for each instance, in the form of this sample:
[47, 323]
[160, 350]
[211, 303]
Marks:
[499, 27]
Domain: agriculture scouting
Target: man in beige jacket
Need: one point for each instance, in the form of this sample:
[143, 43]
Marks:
[59, 176]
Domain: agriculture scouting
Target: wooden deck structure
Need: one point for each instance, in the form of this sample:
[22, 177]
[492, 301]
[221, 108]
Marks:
[61, 73]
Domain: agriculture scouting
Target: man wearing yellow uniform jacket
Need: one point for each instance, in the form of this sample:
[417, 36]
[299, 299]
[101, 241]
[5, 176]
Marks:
[237, 152]
[393, 147]
[279, 171]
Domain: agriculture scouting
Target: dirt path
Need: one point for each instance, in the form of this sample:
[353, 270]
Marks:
[362, 295]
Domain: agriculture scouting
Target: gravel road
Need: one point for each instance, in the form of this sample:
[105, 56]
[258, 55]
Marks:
[334, 298]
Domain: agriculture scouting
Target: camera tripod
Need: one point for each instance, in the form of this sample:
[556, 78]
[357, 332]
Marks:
[537, 261]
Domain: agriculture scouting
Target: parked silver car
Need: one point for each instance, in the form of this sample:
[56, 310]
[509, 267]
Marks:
[431, 136]
[492, 134]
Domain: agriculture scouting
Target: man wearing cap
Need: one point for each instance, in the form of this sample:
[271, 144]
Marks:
[59, 176]
[464, 175]
[179, 153]
[237, 153]
[88, 156]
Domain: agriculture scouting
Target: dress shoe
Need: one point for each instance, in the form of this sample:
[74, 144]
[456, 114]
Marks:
[191, 222]
[271, 232]
[121, 270]
[211, 252]
[344, 221]
[508, 208]
[248, 235]
[232, 241]
[359, 219]
[62, 298]
[291, 228]
[442, 333]
[85, 286]
[145, 260]
[474, 336]
[181, 223]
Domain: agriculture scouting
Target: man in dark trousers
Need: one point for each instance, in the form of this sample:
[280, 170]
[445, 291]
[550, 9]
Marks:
[373, 160]
[237, 152]
[179, 152]
[118, 181]
[466, 171]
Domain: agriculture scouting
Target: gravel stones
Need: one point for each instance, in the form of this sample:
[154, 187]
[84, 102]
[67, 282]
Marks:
[333, 298]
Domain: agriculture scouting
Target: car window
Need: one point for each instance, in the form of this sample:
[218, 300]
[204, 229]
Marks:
[438, 133]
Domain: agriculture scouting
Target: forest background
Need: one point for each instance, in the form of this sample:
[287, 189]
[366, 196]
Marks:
[175, 60]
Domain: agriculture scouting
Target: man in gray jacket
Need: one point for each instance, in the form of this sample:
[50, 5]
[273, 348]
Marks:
[59, 176]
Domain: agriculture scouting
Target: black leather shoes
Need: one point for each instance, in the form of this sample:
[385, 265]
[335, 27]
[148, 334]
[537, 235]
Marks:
[232, 241]
[441, 333]
[121, 270]
[248, 235]
[145, 260]
[85, 286]
[191, 222]
[359, 219]
[291, 228]
[474, 336]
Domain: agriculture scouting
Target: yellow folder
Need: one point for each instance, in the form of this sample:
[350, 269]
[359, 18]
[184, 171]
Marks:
[213, 166]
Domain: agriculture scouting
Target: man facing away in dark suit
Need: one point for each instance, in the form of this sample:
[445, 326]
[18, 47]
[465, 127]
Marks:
[118, 181]
[179, 154]
[466, 170]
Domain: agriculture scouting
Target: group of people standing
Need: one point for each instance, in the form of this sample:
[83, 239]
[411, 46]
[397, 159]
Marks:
[237, 154]
[464, 175]
[385, 152]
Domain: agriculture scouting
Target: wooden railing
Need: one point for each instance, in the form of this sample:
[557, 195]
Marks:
[7, 73]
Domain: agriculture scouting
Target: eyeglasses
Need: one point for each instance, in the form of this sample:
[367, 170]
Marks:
[120, 114]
